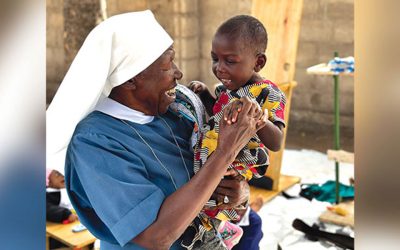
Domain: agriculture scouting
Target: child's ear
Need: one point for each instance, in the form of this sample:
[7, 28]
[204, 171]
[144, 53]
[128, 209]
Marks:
[260, 62]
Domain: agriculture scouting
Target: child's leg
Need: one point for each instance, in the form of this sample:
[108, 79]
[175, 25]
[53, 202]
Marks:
[257, 204]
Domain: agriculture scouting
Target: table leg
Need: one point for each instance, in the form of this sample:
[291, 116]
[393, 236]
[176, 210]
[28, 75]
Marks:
[47, 242]
[337, 131]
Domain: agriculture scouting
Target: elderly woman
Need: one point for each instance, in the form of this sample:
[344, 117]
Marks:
[129, 161]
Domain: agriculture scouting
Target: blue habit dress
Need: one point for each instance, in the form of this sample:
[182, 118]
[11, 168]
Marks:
[113, 180]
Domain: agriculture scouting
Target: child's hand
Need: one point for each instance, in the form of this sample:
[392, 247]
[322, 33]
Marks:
[198, 87]
[263, 120]
[72, 217]
[232, 111]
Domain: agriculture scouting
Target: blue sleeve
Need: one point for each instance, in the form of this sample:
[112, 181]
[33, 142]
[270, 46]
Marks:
[110, 188]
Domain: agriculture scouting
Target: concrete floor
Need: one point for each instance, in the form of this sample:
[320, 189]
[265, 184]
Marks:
[311, 166]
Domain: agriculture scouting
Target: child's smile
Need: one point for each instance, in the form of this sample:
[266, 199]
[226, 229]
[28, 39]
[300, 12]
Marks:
[232, 63]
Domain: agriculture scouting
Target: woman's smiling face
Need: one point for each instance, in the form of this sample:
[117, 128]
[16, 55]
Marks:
[156, 84]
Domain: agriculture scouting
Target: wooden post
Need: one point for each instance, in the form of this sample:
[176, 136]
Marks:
[274, 169]
[282, 21]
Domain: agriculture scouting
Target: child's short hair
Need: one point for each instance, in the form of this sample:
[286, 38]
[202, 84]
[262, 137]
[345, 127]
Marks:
[247, 28]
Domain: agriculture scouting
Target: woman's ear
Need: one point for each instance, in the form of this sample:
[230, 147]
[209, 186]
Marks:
[131, 84]
[260, 62]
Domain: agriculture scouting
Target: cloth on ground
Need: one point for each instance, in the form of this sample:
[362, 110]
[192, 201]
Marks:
[326, 191]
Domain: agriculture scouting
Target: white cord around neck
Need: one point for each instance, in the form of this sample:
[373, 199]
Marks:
[154, 154]
[176, 143]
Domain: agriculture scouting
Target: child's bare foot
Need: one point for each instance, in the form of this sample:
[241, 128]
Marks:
[257, 204]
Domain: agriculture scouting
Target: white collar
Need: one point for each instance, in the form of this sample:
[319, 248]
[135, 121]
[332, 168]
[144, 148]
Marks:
[245, 220]
[115, 109]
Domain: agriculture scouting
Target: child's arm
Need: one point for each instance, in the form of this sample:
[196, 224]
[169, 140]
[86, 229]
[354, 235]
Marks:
[271, 135]
[203, 92]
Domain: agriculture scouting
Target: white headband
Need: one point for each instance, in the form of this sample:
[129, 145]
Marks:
[116, 50]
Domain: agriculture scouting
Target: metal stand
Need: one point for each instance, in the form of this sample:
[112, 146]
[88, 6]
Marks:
[337, 130]
[323, 69]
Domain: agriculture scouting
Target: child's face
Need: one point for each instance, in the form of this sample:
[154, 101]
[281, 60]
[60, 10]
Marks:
[56, 180]
[232, 63]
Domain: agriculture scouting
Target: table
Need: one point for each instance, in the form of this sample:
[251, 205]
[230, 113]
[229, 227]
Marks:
[323, 69]
[64, 234]
[285, 182]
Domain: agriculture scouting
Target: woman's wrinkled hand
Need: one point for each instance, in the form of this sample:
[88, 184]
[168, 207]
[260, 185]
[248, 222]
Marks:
[234, 187]
[234, 136]
[234, 108]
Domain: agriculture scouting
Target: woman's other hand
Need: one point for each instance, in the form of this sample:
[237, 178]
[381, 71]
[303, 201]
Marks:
[234, 187]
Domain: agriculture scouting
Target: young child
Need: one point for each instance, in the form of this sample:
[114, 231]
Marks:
[54, 212]
[238, 54]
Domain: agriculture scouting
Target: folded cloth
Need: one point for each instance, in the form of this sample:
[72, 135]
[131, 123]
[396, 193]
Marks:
[189, 105]
[339, 65]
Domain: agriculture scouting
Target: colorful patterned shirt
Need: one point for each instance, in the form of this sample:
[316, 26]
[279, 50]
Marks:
[254, 154]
